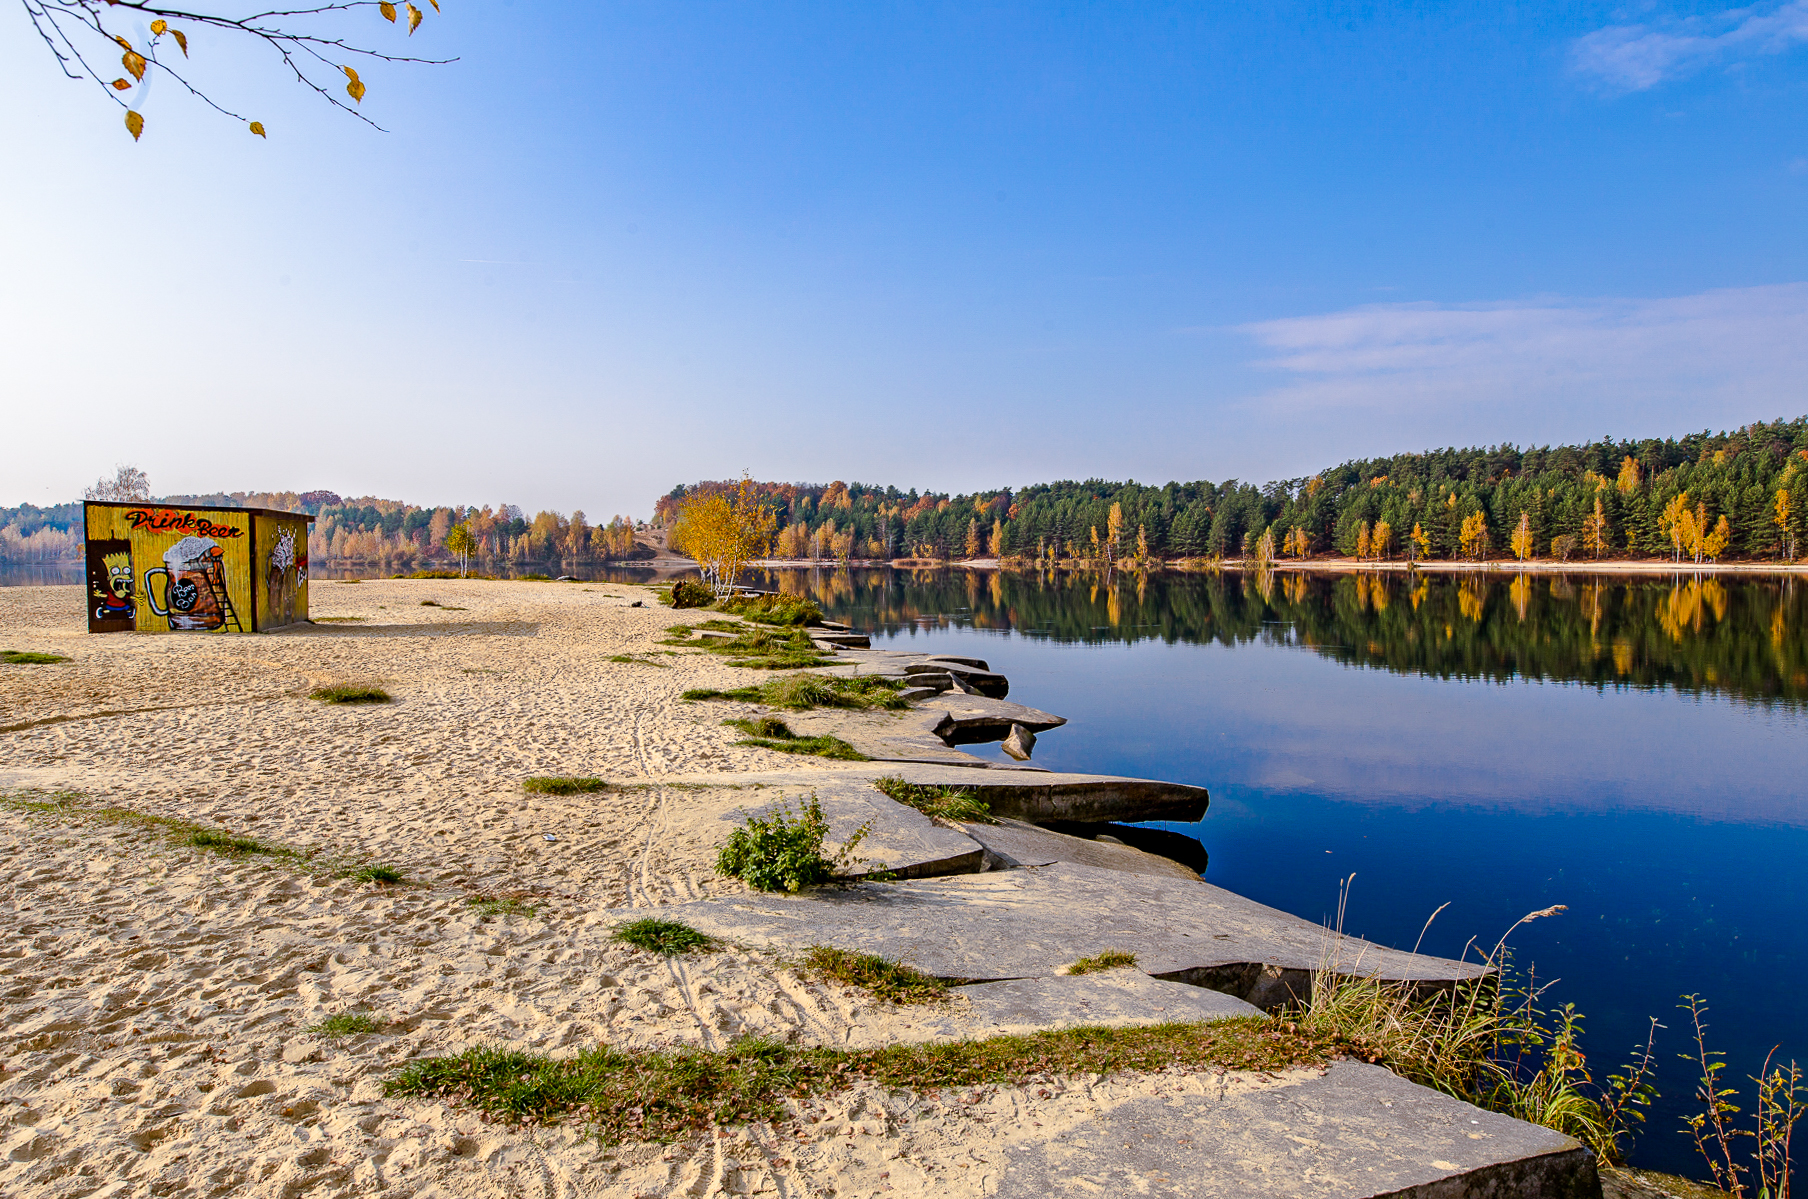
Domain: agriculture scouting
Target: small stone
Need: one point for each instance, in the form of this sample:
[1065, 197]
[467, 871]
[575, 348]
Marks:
[1020, 743]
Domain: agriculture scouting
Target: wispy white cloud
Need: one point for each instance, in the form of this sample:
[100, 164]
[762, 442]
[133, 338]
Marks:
[1636, 57]
[1729, 355]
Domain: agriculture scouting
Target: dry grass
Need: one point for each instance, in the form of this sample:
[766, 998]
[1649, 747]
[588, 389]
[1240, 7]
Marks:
[949, 803]
[1111, 959]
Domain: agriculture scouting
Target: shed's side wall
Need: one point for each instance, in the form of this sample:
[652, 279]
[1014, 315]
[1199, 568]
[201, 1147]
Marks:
[280, 552]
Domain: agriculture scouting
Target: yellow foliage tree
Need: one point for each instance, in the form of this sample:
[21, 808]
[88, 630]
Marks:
[1677, 523]
[1784, 510]
[1521, 541]
[1594, 529]
[1630, 476]
[1114, 530]
[1363, 541]
[1420, 541]
[1472, 538]
[1381, 541]
[1714, 544]
[723, 533]
[461, 541]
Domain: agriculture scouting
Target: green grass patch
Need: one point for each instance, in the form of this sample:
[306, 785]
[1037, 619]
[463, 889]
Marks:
[376, 872]
[754, 647]
[686, 594]
[662, 1095]
[1111, 959]
[770, 732]
[561, 784]
[26, 657]
[892, 981]
[666, 937]
[801, 692]
[630, 658]
[32, 799]
[348, 694]
[489, 906]
[207, 838]
[772, 609]
[950, 803]
[346, 1024]
[783, 850]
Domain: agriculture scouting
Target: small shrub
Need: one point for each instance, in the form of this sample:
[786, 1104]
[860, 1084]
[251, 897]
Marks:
[889, 980]
[782, 852]
[950, 803]
[346, 1024]
[22, 657]
[350, 695]
[563, 785]
[429, 603]
[686, 594]
[1111, 959]
[666, 937]
[376, 872]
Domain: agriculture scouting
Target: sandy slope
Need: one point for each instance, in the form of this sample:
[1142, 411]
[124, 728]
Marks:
[156, 998]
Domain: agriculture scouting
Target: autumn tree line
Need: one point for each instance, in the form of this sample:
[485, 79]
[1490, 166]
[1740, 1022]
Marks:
[1702, 497]
[367, 529]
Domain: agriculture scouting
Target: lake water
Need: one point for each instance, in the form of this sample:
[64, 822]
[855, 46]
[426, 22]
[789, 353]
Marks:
[1634, 749]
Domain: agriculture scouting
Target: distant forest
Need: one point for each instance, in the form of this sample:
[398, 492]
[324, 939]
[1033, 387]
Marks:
[1742, 494]
[362, 529]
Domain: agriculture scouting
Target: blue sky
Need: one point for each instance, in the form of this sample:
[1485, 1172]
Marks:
[615, 247]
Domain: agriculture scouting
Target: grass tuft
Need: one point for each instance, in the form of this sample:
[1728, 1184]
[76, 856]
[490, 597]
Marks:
[665, 937]
[560, 784]
[801, 692]
[489, 906]
[376, 872]
[889, 980]
[1111, 959]
[665, 1094]
[631, 659]
[949, 803]
[25, 657]
[350, 695]
[772, 609]
[206, 838]
[754, 647]
[769, 732]
[346, 1024]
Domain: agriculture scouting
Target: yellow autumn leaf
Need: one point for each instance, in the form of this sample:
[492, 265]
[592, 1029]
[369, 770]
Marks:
[388, 11]
[354, 89]
[123, 44]
[414, 19]
[160, 27]
[181, 40]
[135, 123]
[435, 4]
[257, 127]
[134, 63]
[122, 84]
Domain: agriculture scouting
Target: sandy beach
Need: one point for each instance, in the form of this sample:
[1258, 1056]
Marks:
[158, 997]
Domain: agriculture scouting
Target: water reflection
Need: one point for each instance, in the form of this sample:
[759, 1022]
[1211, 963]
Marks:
[1738, 637]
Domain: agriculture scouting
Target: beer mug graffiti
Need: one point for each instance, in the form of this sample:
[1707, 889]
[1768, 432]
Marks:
[193, 584]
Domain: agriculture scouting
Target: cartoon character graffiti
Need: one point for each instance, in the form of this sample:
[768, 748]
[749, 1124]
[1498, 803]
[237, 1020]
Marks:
[284, 576]
[114, 588]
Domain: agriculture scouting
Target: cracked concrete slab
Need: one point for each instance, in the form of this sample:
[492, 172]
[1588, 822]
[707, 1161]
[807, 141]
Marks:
[973, 718]
[1035, 923]
[1016, 843]
[1117, 998]
[1354, 1131]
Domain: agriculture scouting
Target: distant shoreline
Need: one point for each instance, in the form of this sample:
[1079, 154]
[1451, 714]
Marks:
[1637, 566]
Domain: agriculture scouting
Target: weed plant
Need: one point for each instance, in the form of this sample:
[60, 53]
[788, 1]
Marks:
[1111, 959]
[892, 981]
[666, 1094]
[559, 784]
[755, 648]
[350, 695]
[783, 851]
[1782, 1101]
[376, 872]
[668, 938]
[949, 803]
[25, 657]
[206, 838]
[629, 659]
[686, 594]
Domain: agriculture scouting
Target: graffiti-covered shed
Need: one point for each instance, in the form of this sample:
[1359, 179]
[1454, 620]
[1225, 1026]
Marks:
[156, 568]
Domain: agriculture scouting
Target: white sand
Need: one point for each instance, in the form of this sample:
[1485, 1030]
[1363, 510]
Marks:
[156, 998]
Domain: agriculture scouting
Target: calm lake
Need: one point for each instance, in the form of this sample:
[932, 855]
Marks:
[1632, 748]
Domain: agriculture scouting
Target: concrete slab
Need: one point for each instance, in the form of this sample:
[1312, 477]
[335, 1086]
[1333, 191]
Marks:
[1023, 794]
[1015, 843]
[1035, 923]
[975, 718]
[1118, 998]
[908, 736]
[1353, 1132]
